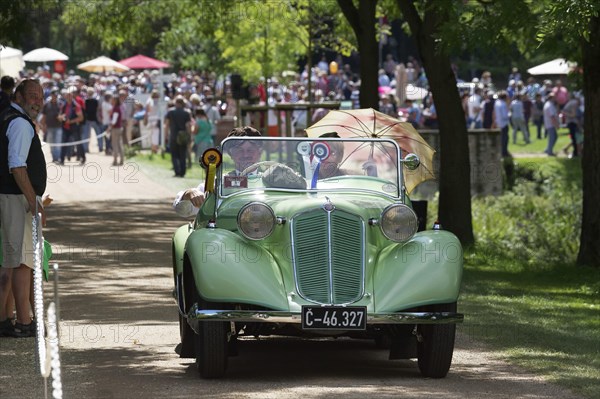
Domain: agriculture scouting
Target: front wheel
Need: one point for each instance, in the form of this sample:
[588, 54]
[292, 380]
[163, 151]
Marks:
[211, 345]
[436, 344]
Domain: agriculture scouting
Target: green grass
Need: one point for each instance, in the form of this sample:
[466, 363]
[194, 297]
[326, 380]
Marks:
[159, 168]
[537, 146]
[544, 319]
[522, 293]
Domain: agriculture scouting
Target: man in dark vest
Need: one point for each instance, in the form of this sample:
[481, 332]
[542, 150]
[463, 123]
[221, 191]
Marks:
[22, 183]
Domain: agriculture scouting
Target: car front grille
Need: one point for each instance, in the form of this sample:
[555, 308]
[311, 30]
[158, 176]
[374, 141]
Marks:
[329, 256]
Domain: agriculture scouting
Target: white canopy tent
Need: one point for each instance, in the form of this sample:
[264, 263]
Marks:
[11, 61]
[45, 54]
[559, 66]
[415, 93]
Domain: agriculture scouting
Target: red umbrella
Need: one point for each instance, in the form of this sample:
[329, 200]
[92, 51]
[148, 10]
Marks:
[142, 62]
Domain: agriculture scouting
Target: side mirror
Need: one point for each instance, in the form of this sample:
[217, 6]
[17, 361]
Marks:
[411, 161]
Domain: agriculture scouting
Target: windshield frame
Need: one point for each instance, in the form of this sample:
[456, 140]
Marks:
[398, 194]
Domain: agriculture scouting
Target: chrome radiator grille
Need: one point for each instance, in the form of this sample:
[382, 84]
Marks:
[329, 256]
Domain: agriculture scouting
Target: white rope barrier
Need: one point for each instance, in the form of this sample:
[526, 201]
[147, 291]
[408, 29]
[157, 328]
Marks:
[46, 338]
[38, 293]
[71, 143]
[54, 349]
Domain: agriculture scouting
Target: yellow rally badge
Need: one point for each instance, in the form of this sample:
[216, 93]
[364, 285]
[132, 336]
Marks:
[211, 159]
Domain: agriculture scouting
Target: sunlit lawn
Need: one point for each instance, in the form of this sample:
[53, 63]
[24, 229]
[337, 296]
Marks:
[160, 169]
[538, 146]
[544, 316]
[547, 320]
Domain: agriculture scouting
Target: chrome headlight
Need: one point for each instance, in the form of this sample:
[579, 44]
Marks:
[398, 222]
[256, 221]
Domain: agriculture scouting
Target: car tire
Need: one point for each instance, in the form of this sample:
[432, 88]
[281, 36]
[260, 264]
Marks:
[211, 345]
[436, 344]
[187, 339]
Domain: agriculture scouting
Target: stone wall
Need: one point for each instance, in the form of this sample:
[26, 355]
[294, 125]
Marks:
[485, 158]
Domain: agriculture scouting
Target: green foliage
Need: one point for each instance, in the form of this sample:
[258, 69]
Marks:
[119, 23]
[261, 39]
[19, 17]
[479, 25]
[539, 221]
[566, 22]
[251, 37]
[264, 37]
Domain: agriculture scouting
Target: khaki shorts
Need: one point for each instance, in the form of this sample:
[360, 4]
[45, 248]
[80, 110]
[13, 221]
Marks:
[17, 238]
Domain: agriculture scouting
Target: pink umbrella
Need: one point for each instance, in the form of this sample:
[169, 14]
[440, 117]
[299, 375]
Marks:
[142, 62]
[385, 90]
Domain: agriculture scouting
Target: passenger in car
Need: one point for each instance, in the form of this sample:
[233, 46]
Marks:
[330, 166]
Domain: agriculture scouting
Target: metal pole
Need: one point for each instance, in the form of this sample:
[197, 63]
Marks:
[161, 100]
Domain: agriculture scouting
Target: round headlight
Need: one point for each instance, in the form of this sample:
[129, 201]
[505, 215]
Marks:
[398, 222]
[256, 221]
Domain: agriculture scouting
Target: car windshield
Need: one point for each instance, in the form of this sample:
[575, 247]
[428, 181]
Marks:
[308, 164]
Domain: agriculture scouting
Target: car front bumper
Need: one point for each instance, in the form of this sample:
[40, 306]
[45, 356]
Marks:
[269, 316]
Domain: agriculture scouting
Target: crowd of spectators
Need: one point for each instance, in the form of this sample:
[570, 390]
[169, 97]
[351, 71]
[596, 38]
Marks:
[75, 105]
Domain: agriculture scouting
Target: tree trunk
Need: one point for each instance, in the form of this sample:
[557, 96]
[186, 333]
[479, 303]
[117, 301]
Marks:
[454, 173]
[362, 21]
[589, 249]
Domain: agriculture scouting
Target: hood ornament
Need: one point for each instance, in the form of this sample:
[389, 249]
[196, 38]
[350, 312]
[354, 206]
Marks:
[328, 206]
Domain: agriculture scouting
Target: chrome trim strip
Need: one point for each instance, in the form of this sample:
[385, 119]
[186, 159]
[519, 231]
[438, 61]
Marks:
[329, 254]
[273, 316]
[400, 175]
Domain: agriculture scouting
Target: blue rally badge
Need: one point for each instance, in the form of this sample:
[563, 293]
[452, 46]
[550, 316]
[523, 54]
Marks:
[321, 150]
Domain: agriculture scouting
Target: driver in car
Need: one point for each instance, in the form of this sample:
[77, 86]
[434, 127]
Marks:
[188, 202]
[244, 154]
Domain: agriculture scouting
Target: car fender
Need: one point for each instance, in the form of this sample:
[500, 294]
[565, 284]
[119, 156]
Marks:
[424, 270]
[228, 268]
[179, 238]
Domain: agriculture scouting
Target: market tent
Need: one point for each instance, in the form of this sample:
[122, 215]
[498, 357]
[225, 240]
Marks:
[103, 64]
[559, 66]
[143, 62]
[415, 93]
[11, 61]
[44, 54]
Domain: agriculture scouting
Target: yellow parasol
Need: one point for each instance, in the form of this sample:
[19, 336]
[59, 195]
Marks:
[370, 123]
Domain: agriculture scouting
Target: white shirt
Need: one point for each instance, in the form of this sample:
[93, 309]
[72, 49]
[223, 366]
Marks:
[152, 109]
[213, 115]
[19, 133]
[550, 115]
[184, 208]
[474, 105]
[501, 110]
[106, 112]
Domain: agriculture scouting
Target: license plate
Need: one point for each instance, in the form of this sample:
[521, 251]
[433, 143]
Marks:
[334, 318]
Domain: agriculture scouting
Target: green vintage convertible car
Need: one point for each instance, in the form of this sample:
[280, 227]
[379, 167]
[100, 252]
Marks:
[314, 237]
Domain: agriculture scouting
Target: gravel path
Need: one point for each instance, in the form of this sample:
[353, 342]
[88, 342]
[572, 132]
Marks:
[111, 237]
